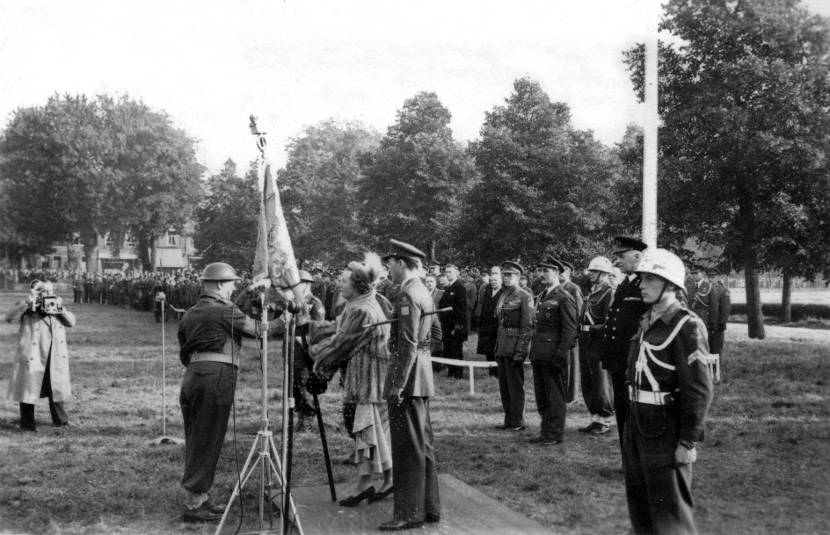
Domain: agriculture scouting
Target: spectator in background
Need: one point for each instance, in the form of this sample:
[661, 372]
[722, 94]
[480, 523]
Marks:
[454, 322]
[488, 325]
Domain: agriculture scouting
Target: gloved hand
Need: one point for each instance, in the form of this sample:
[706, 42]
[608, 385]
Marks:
[684, 455]
[519, 357]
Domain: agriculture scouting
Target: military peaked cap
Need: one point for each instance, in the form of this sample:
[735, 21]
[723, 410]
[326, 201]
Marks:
[404, 250]
[567, 265]
[552, 263]
[512, 267]
[712, 272]
[624, 243]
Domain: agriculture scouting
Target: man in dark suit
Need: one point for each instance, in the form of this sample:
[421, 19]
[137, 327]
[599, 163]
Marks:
[408, 387]
[623, 321]
[454, 322]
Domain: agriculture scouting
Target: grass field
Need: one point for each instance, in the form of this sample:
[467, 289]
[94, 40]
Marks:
[764, 468]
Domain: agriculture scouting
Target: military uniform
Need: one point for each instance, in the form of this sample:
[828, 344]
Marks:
[700, 299]
[304, 406]
[720, 306]
[514, 311]
[410, 373]
[596, 383]
[671, 390]
[620, 325]
[207, 391]
[573, 354]
[550, 355]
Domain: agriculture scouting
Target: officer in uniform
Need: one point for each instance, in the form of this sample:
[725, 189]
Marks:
[573, 355]
[622, 321]
[407, 390]
[209, 335]
[596, 384]
[313, 311]
[553, 338]
[514, 312]
[700, 295]
[720, 306]
[671, 390]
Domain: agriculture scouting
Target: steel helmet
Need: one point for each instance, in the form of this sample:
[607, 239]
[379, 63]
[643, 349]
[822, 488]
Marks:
[665, 265]
[305, 276]
[601, 263]
[218, 271]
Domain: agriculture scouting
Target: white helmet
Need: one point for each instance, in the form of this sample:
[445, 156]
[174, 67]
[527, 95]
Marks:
[664, 264]
[601, 263]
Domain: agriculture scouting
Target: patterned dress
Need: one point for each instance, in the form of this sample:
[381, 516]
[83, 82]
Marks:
[367, 354]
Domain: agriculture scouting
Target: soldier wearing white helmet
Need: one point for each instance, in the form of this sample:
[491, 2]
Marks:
[670, 390]
[595, 381]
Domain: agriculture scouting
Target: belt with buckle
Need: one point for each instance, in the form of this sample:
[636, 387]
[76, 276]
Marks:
[214, 357]
[647, 397]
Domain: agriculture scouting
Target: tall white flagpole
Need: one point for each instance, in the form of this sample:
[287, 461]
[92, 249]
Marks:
[650, 127]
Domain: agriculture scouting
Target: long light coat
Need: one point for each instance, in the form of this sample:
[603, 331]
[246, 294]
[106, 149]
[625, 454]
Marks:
[39, 336]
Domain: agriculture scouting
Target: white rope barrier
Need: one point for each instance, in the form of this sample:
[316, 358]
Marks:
[470, 364]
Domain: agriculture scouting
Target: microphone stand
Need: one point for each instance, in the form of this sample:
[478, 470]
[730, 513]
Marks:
[264, 451]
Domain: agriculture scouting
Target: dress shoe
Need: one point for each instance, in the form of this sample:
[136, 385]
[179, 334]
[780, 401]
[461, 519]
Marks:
[399, 525]
[588, 428]
[213, 508]
[432, 518]
[544, 441]
[600, 429]
[378, 496]
[500, 427]
[352, 501]
[201, 514]
[517, 428]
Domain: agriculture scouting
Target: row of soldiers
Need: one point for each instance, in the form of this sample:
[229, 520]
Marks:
[641, 353]
[141, 291]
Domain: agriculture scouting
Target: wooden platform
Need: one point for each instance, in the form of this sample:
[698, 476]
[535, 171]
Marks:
[464, 510]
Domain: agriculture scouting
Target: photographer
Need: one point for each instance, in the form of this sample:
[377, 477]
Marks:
[42, 367]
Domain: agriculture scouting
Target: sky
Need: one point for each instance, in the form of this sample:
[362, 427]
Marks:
[294, 63]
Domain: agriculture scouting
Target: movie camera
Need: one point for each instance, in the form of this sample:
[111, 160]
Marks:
[43, 299]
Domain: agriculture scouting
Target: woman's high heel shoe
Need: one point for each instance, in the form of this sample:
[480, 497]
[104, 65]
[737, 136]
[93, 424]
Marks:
[352, 501]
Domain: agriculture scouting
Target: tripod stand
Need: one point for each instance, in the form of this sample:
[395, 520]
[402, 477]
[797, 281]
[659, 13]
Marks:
[263, 452]
[164, 439]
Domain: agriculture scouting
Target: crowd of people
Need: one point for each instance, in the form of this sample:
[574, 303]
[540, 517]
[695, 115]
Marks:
[633, 335]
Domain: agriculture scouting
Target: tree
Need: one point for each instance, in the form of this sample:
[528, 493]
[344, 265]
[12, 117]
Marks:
[319, 188]
[743, 147]
[226, 220]
[413, 184]
[94, 167]
[544, 185]
[157, 182]
[55, 173]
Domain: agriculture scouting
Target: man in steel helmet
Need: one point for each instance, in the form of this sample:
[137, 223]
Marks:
[209, 336]
[595, 381]
[670, 391]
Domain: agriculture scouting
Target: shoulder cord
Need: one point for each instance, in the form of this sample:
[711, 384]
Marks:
[647, 353]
